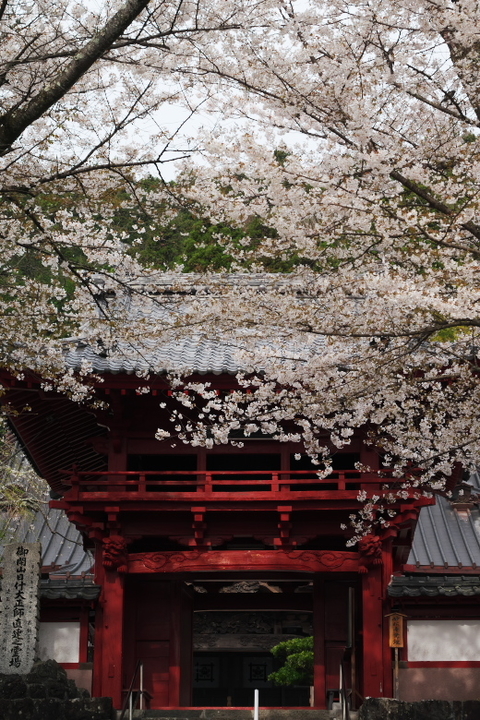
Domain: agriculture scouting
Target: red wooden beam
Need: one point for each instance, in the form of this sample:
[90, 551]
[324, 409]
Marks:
[310, 561]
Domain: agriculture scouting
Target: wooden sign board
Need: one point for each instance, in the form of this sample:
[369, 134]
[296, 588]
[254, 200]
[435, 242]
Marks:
[395, 627]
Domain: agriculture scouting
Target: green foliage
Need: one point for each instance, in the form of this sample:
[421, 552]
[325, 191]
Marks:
[190, 240]
[185, 240]
[450, 334]
[163, 237]
[281, 156]
[297, 658]
[17, 500]
[160, 230]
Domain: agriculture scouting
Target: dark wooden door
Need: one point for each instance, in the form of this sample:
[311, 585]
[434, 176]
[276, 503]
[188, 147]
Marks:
[159, 633]
[340, 633]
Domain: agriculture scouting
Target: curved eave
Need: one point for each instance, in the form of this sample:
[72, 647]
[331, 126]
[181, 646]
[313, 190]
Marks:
[189, 356]
[55, 432]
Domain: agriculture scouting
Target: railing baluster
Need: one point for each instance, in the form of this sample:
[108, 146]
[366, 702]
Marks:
[208, 482]
[274, 485]
[84, 484]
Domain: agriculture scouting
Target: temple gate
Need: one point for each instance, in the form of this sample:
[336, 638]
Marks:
[207, 558]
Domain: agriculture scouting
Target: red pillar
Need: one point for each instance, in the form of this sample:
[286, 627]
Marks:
[108, 677]
[109, 670]
[373, 683]
[175, 646]
[320, 691]
[387, 556]
[181, 655]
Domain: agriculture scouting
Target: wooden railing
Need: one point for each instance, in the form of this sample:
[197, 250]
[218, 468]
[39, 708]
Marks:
[214, 482]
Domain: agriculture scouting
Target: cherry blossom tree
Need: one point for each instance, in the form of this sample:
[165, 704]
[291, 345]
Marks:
[373, 110]
[348, 129]
[86, 90]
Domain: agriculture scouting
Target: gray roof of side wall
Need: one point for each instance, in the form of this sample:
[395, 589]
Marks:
[62, 543]
[448, 535]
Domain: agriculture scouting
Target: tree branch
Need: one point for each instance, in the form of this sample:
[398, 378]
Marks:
[13, 124]
[438, 205]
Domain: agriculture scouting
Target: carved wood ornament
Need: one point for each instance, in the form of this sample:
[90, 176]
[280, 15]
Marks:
[115, 555]
[370, 552]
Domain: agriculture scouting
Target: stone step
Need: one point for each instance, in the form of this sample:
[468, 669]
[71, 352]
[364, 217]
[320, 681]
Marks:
[231, 714]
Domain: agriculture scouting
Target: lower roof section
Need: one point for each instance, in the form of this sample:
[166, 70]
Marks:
[435, 586]
[69, 589]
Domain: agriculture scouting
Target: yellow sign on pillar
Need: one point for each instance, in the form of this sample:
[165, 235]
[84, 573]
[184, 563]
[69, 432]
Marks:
[395, 635]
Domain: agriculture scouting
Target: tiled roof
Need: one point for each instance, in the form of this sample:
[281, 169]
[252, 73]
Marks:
[168, 313]
[448, 535]
[56, 434]
[62, 545]
[69, 589]
[434, 586]
[196, 354]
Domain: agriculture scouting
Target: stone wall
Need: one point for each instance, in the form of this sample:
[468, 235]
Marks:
[384, 709]
[47, 694]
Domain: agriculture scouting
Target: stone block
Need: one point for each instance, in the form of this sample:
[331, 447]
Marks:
[19, 709]
[470, 710]
[72, 690]
[457, 709]
[47, 694]
[387, 709]
[103, 708]
[432, 710]
[37, 690]
[378, 709]
[19, 617]
[49, 709]
[46, 669]
[12, 686]
[4, 705]
[89, 709]
[56, 689]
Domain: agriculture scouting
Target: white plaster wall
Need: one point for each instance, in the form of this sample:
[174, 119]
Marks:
[442, 640]
[59, 641]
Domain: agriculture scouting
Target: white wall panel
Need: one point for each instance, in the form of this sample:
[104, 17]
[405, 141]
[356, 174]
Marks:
[443, 640]
[59, 641]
